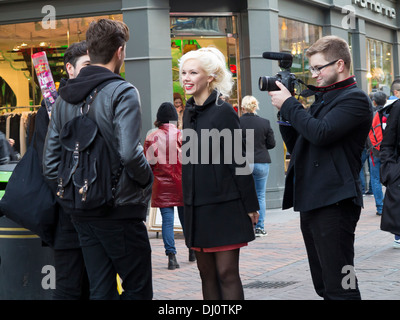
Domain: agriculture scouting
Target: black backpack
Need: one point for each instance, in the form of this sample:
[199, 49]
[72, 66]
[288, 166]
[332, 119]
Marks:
[85, 182]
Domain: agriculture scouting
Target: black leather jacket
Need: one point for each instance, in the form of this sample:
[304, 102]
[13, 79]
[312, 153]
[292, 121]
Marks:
[116, 110]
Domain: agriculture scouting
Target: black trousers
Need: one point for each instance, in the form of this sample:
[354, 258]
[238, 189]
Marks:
[72, 282]
[328, 234]
[116, 246]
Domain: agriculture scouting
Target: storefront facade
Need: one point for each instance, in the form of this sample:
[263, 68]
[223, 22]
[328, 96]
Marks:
[161, 31]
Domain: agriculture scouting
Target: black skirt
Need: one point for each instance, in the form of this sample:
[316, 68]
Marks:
[217, 224]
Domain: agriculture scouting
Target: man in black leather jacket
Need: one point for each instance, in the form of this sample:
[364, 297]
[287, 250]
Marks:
[116, 242]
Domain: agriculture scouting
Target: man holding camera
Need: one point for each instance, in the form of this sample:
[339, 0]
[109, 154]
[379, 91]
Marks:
[322, 182]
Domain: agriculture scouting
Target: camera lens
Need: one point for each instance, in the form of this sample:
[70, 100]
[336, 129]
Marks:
[268, 84]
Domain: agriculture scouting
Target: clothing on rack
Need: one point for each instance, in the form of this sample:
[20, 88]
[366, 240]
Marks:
[19, 126]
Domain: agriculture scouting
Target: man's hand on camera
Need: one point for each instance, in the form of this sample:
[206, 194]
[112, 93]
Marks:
[279, 97]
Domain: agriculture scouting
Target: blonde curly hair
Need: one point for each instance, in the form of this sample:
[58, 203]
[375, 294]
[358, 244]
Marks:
[249, 104]
[213, 63]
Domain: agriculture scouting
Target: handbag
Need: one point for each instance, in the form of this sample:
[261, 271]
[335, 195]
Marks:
[28, 200]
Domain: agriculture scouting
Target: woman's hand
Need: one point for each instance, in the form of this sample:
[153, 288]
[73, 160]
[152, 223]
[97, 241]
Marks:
[254, 217]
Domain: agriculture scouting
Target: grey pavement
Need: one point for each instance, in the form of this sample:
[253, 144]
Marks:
[275, 267]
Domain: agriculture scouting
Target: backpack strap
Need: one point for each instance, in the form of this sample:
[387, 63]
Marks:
[90, 98]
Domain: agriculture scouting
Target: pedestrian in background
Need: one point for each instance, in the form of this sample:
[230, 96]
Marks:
[264, 140]
[220, 205]
[180, 108]
[390, 167]
[322, 182]
[163, 151]
[374, 141]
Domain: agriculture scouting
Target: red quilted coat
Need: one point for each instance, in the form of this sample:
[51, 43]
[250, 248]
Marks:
[163, 151]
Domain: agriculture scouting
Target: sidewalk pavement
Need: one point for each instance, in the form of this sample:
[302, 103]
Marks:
[276, 267]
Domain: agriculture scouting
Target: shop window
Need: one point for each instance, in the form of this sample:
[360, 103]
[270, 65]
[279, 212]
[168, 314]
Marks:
[19, 41]
[194, 32]
[350, 42]
[296, 37]
[379, 65]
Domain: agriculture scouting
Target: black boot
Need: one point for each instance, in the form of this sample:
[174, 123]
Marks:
[192, 255]
[172, 263]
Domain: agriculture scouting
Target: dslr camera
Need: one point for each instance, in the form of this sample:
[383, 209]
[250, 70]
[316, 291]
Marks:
[287, 78]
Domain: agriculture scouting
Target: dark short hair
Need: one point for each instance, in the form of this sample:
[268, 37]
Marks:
[395, 85]
[104, 37]
[74, 52]
[379, 97]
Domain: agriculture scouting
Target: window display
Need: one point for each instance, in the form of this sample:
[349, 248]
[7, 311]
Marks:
[379, 65]
[296, 37]
[18, 83]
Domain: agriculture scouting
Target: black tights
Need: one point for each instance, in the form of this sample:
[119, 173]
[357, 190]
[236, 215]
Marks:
[219, 273]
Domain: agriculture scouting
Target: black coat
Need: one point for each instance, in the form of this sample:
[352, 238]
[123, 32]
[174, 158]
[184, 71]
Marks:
[209, 184]
[390, 171]
[325, 143]
[264, 138]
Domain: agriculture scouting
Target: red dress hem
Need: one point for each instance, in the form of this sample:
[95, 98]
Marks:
[221, 248]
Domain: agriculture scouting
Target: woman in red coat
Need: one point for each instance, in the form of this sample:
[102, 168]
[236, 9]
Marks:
[163, 151]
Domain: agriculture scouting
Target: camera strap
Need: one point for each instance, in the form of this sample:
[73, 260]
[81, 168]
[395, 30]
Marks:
[312, 90]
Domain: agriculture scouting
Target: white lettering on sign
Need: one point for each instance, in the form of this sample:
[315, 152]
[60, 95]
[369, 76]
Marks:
[377, 7]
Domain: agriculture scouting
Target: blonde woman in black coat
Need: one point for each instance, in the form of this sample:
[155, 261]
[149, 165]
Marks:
[220, 201]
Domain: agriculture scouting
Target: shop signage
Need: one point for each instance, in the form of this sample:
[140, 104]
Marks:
[377, 7]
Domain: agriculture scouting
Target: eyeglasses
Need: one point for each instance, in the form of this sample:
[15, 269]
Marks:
[317, 70]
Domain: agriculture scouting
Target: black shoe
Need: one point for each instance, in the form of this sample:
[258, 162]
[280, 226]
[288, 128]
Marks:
[260, 232]
[192, 255]
[172, 263]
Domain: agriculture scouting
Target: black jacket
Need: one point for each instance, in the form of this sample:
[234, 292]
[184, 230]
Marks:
[213, 183]
[264, 138]
[390, 170]
[325, 143]
[116, 110]
[216, 194]
[390, 146]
